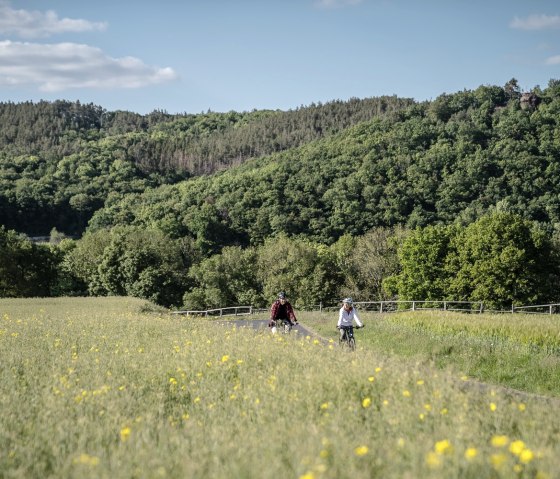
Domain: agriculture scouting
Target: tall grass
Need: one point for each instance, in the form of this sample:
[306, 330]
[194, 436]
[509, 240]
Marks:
[518, 351]
[97, 388]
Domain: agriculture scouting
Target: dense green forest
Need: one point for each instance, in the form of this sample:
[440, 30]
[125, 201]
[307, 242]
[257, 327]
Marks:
[453, 198]
[60, 162]
[452, 159]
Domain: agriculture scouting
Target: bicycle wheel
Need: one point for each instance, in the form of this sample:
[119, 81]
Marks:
[287, 327]
[351, 344]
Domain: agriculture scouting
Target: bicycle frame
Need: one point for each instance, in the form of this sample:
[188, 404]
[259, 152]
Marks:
[283, 325]
[347, 338]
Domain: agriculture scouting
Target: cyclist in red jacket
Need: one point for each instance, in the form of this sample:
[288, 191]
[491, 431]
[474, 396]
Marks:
[282, 309]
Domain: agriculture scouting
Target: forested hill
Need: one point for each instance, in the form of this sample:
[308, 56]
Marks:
[456, 157]
[60, 161]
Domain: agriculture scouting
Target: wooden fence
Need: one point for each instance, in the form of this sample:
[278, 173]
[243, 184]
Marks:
[385, 307]
[230, 311]
[553, 308]
[397, 305]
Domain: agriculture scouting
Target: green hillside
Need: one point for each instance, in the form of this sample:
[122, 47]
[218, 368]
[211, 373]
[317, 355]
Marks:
[61, 161]
[455, 158]
[382, 198]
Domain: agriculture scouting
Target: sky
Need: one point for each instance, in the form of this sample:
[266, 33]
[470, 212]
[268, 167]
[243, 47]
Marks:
[191, 56]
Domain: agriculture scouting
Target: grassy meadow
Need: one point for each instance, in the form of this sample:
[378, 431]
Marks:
[108, 388]
[520, 351]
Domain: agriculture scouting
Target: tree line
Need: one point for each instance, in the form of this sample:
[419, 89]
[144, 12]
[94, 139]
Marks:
[500, 259]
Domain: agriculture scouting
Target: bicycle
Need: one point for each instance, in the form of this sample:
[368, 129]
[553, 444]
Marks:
[283, 325]
[347, 339]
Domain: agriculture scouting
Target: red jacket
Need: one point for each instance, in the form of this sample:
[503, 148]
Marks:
[275, 310]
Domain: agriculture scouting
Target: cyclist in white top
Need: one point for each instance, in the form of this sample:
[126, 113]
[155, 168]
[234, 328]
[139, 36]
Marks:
[347, 315]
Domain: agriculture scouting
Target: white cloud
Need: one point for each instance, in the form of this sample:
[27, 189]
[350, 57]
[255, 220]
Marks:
[555, 60]
[536, 22]
[60, 66]
[336, 3]
[35, 24]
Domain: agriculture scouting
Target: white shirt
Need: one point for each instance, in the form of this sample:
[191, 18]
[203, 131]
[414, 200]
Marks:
[345, 317]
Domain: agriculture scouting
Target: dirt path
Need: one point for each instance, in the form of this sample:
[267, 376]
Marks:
[258, 324]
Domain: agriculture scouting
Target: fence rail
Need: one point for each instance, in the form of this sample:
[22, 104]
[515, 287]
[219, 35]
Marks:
[401, 305]
[388, 306]
[541, 309]
[230, 311]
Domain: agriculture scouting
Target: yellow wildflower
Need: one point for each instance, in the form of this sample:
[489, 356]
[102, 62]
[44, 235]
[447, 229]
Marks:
[498, 460]
[433, 460]
[361, 450]
[471, 453]
[125, 433]
[86, 459]
[499, 441]
[516, 447]
[366, 402]
[526, 456]
[443, 447]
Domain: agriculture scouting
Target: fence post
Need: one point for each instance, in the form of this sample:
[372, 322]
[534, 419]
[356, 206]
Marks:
[414, 306]
[445, 305]
[550, 309]
[512, 308]
[381, 307]
[481, 307]
[320, 306]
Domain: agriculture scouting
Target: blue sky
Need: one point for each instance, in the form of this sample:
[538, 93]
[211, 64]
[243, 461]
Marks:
[191, 56]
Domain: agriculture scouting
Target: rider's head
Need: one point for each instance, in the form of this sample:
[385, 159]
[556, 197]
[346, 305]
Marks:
[282, 296]
[347, 302]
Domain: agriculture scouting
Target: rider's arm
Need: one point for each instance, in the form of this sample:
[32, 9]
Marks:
[291, 313]
[358, 322]
[273, 310]
[339, 319]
